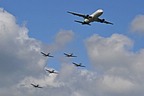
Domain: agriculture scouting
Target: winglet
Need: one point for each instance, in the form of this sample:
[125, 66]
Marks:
[69, 12]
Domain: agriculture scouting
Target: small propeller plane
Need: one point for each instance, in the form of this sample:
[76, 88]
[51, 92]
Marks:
[69, 55]
[46, 55]
[91, 18]
[52, 71]
[36, 86]
[78, 65]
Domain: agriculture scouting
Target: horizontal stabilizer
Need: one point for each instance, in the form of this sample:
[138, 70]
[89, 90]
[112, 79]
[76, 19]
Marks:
[79, 22]
[82, 22]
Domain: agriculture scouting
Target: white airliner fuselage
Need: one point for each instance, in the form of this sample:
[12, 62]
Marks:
[91, 18]
[94, 16]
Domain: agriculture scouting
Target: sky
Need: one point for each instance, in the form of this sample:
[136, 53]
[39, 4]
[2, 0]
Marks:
[113, 54]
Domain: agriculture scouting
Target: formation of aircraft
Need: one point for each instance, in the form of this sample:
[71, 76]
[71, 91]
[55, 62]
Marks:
[91, 18]
[69, 55]
[46, 55]
[78, 65]
[36, 86]
[52, 71]
[87, 20]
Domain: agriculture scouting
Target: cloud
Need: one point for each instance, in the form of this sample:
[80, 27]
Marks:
[137, 24]
[62, 38]
[119, 66]
[107, 51]
[19, 54]
[116, 84]
[20, 57]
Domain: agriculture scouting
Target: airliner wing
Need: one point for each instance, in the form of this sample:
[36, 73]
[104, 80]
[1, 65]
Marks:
[103, 21]
[80, 15]
[107, 22]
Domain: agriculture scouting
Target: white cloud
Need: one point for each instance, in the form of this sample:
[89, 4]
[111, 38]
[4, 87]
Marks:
[19, 54]
[120, 67]
[116, 84]
[107, 51]
[62, 38]
[20, 57]
[137, 25]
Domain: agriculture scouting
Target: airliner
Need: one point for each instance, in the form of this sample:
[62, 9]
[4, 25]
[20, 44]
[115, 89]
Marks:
[91, 18]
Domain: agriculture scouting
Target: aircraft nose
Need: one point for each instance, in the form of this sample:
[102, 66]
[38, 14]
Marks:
[100, 10]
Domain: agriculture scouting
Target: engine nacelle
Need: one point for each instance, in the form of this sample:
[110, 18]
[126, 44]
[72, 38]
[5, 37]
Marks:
[87, 16]
[102, 20]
